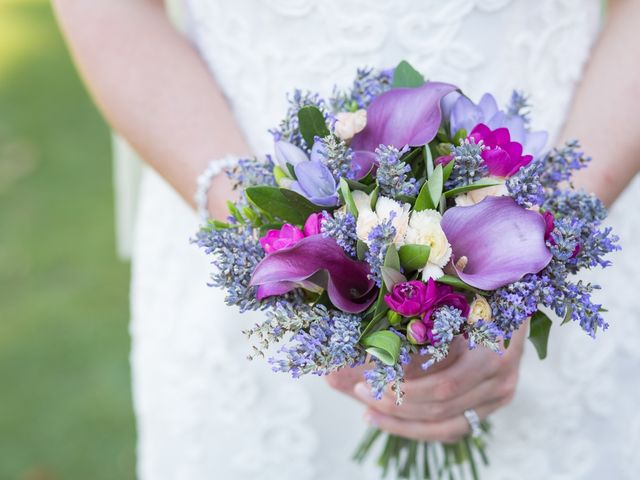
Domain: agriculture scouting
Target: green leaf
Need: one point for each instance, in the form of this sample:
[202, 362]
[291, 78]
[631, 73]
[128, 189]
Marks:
[414, 257]
[361, 249]
[252, 216]
[423, 201]
[279, 175]
[485, 182]
[374, 197]
[446, 171]
[435, 184]
[428, 160]
[406, 76]
[539, 333]
[455, 282]
[218, 225]
[312, 124]
[391, 276]
[384, 345]
[460, 135]
[348, 198]
[391, 258]
[353, 185]
[282, 203]
[567, 316]
[235, 213]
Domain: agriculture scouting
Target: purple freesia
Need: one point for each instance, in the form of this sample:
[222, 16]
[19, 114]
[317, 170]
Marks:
[316, 183]
[502, 157]
[316, 263]
[314, 180]
[500, 240]
[403, 116]
[288, 153]
[463, 113]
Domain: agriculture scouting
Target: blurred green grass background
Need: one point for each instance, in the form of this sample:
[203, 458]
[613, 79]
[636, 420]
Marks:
[65, 400]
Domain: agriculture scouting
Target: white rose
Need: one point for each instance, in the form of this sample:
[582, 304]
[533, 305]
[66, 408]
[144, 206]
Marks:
[349, 123]
[479, 310]
[476, 196]
[424, 229]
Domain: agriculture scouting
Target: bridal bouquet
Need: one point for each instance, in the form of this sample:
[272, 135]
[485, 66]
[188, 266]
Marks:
[396, 216]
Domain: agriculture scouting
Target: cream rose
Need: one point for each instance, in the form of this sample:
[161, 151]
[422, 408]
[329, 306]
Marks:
[349, 123]
[476, 196]
[479, 310]
[424, 229]
[385, 207]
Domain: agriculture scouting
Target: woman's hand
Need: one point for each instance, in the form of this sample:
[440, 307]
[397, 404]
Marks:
[434, 402]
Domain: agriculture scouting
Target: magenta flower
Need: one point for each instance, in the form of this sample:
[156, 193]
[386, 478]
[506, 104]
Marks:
[411, 298]
[403, 116]
[502, 157]
[276, 240]
[446, 296]
[316, 263]
[499, 240]
[313, 225]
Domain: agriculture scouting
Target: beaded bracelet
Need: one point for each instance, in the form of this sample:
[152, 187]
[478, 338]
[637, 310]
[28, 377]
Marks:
[201, 197]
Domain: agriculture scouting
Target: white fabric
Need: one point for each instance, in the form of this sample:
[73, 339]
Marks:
[204, 412]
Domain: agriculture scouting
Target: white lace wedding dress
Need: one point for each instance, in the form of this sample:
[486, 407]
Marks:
[205, 412]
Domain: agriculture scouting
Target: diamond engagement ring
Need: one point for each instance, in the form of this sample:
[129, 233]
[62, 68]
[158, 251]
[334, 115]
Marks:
[474, 422]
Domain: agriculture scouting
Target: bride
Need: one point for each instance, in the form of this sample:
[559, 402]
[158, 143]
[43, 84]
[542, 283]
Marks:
[181, 101]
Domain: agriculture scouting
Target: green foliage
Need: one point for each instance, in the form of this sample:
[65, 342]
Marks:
[485, 182]
[384, 345]
[282, 203]
[414, 257]
[431, 191]
[539, 333]
[312, 124]
[406, 76]
[345, 192]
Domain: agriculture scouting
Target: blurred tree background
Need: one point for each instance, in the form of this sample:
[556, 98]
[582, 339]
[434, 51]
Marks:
[65, 400]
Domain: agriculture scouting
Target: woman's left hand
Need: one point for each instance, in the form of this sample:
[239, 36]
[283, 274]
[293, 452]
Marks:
[435, 401]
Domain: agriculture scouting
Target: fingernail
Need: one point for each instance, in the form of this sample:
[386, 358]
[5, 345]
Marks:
[361, 390]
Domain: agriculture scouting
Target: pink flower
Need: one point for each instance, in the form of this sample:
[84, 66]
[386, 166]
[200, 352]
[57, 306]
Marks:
[418, 333]
[411, 298]
[502, 157]
[276, 240]
[313, 224]
[445, 296]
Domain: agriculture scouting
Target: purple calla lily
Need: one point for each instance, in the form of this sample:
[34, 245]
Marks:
[288, 153]
[403, 116]
[313, 263]
[361, 164]
[501, 241]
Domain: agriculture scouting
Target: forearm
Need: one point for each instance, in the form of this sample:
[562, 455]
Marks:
[604, 114]
[152, 88]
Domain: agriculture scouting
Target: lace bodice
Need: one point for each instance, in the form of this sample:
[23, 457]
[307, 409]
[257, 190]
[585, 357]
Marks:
[204, 412]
